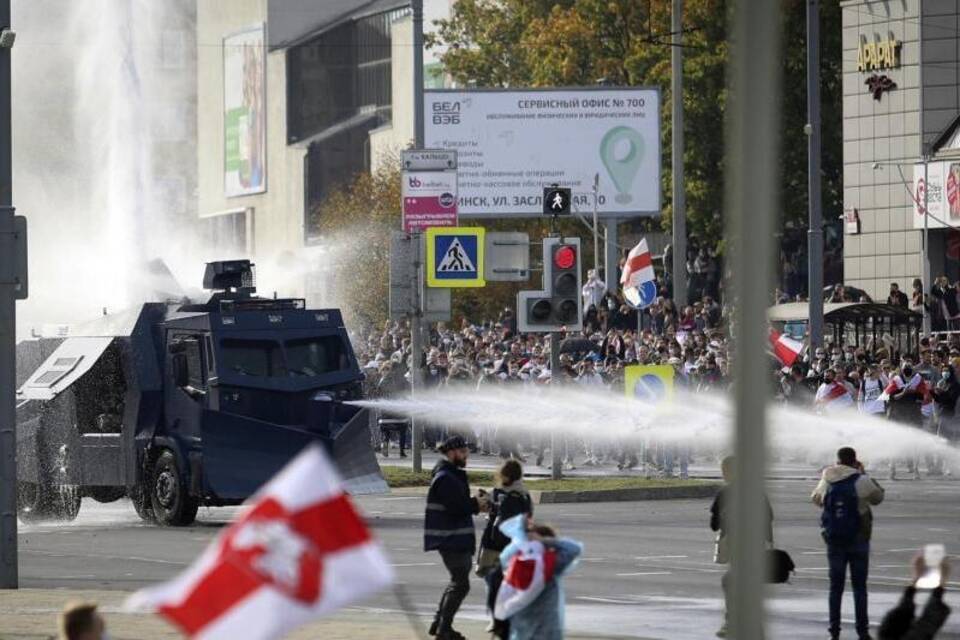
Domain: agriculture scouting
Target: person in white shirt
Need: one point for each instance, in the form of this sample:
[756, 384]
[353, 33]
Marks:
[593, 290]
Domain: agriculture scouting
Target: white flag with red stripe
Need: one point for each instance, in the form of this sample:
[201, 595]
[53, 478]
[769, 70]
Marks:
[785, 348]
[299, 551]
[638, 268]
[638, 278]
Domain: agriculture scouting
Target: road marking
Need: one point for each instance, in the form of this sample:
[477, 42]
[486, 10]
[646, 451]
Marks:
[607, 600]
[645, 573]
[813, 553]
[415, 564]
[658, 557]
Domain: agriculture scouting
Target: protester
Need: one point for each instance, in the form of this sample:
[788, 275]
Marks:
[542, 619]
[847, 532]
[448, 528]
[900, 622]
[897, 298]
[510, 499]
[82, 621]
[720, 523]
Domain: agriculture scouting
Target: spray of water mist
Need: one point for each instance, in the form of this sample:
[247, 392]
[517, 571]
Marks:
[702, 422]
[94, 118]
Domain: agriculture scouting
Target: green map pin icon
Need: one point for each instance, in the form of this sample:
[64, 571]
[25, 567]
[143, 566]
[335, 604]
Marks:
[622, 153]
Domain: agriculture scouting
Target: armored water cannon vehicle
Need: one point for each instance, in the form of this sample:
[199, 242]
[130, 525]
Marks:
[181, 404]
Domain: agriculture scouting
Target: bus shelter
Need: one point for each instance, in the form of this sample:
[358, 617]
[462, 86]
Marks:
[862, 324]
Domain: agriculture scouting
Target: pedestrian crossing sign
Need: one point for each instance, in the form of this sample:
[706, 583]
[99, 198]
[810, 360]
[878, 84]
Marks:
[455, 257]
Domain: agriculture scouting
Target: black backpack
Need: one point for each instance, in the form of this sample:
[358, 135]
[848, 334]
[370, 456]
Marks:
[840, 520]
[780, 566]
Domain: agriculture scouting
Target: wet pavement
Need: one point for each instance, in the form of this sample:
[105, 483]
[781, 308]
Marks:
[646, 572]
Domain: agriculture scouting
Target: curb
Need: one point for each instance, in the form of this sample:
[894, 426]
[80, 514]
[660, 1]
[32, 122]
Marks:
[626, 495]
[694, 491]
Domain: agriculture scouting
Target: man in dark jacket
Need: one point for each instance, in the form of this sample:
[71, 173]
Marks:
[448, 528]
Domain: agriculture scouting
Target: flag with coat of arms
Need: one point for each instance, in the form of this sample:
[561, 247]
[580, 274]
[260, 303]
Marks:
[299, 551]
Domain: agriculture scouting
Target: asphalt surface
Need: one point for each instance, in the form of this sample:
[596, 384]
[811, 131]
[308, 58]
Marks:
[646, 572]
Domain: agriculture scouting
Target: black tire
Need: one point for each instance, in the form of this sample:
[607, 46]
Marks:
[106, 494]
[39, 502]
[172, 504]
[141, 504]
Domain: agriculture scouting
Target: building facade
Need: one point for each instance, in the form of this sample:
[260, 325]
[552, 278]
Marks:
[900, 104]
[295, 98]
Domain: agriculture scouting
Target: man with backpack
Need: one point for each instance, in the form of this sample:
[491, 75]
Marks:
[845, 493]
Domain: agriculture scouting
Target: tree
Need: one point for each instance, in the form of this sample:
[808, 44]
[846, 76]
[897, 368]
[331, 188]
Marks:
[355, 222]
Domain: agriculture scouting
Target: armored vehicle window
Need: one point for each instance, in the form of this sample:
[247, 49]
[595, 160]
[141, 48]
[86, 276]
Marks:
[252, 358]
[316, 356]
[194, 363]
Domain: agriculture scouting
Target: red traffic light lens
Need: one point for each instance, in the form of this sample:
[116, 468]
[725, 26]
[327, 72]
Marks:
[564, 257]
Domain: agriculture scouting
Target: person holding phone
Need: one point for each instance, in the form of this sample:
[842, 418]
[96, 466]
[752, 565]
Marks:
[900, 622]
[846, 492]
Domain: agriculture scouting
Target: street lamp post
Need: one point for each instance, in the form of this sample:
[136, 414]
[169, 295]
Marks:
[926, 249]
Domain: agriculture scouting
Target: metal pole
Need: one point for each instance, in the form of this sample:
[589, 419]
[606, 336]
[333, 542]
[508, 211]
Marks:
[596, 224]
[556, 439]
[926, 245]
[8, 332]
[416, 346]
[751, 205]
[611, 254]
[679, 194]
[815, 212]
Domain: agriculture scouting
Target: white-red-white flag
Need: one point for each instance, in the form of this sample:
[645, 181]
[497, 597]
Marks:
[785, 348]
[638, 267]
[299, 551]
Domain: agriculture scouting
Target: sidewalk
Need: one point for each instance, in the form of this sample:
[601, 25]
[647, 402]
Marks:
[31, 614]
[704, 467]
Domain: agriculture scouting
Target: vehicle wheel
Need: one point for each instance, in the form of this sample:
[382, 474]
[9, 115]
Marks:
[106, 494]
[141, 503]
[31, 503]
[37, 502]
[172, 506]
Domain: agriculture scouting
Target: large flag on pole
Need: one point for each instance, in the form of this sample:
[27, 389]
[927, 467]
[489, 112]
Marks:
[638, 279]
[298, 552]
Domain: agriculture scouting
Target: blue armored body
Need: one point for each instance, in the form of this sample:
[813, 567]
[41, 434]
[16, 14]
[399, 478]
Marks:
[178, 405]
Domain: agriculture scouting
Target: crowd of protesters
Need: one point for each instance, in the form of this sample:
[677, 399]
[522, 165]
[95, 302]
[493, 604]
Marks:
[692, 339]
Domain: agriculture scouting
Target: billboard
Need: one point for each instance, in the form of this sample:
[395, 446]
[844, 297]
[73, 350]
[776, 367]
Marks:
[244, 113]
[942, 192]
[512, 143]
[429, 199]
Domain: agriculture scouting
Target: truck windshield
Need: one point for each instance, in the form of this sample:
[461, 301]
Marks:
[315, 356]
[252, 358]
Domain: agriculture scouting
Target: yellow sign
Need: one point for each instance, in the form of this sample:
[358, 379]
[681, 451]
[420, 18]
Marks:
[455, 257]
[882, 54]
[649, 383]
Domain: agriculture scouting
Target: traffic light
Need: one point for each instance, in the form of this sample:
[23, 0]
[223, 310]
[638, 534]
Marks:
[556, 201]
[559, 304]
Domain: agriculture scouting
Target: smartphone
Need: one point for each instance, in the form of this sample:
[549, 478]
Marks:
[933, 555]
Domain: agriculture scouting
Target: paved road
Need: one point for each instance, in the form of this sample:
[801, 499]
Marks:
[646, 573]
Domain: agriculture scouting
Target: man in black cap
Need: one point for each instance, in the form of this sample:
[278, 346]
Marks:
[448, 528]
